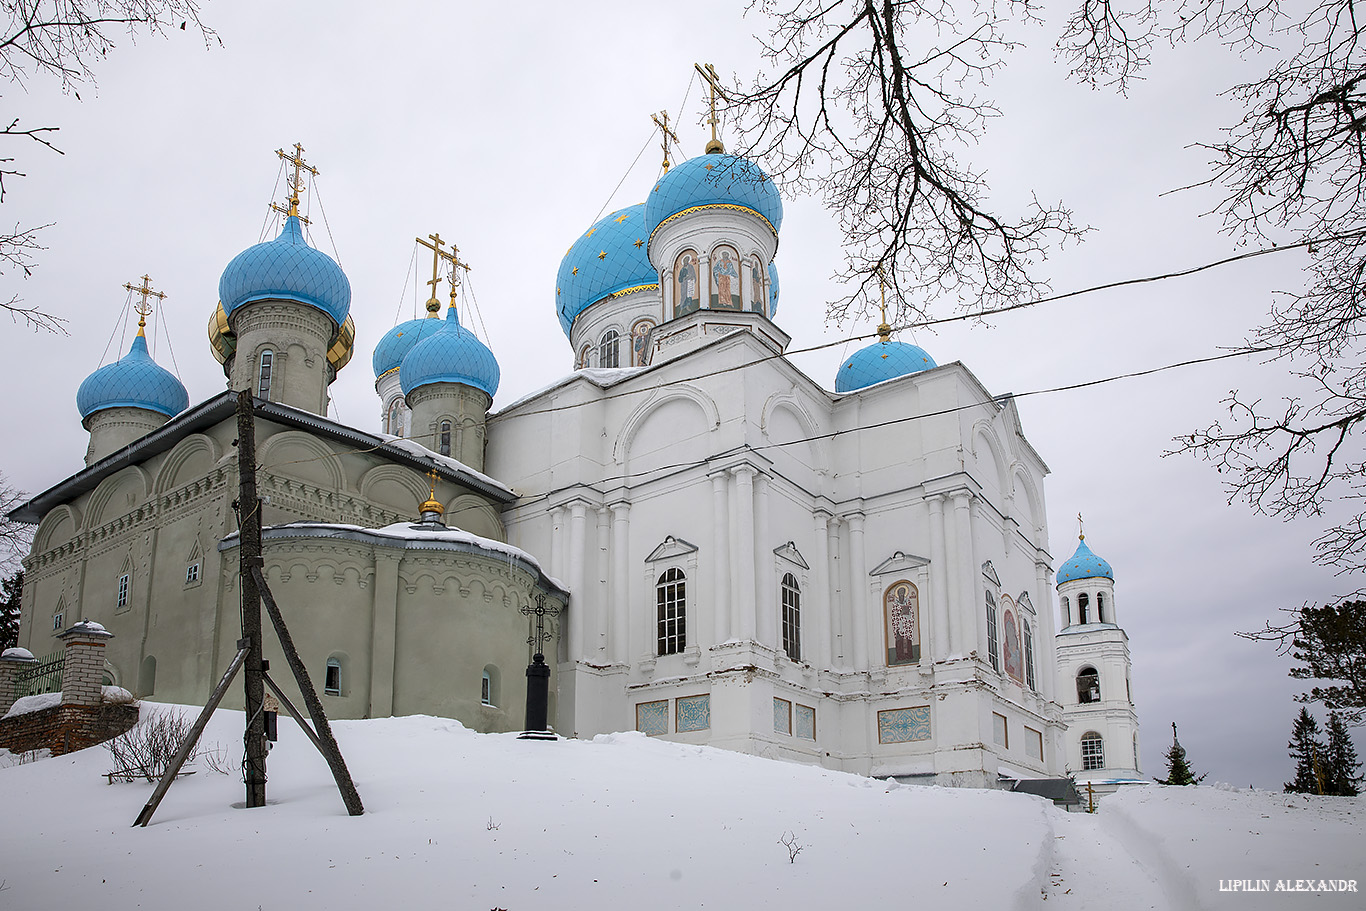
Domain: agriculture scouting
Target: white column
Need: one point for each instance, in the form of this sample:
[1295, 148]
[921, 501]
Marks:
[835, 570]
[599, 643]
[618, 649]
[818, 620]
[578, 607]
[974, 629]
[743, 591]
[940, 576]
[858, 609]
[764, 596]
[720, 532]
[1045, 648]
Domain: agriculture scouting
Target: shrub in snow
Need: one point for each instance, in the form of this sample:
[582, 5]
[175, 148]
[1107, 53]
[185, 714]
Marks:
[146, 750]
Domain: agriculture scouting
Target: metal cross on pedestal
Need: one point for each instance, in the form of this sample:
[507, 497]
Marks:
[538, 672]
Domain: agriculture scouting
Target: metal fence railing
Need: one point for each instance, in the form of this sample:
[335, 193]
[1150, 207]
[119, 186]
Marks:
[43, 677]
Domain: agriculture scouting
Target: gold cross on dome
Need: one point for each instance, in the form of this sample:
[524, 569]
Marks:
[295, 182]
[884, 331]
[433, 305]
[708, 74]
[453, 258]
[1081, 529]
[144, 307]
[666, 135]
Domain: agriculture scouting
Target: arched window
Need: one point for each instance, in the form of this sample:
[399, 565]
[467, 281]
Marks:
[609, 351]
[332, 677]
[993, 647]
[1088, 685]
[147, 676]
[901, 610]
[263, 374]
[1083, 608]
[445, 438]
[1029, 655]
[490, 685]
[671, 597]
[583, 357]
[1092, 751]
[394, 423]
[687, 291]
[1066, 612]
[792, 618]
[1100, 607]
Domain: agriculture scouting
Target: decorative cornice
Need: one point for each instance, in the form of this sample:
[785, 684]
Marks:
[714, 205]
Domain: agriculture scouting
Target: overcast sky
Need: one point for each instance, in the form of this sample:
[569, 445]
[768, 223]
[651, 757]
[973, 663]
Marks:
[507, 127]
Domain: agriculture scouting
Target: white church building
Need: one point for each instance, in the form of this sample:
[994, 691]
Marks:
[852, 571]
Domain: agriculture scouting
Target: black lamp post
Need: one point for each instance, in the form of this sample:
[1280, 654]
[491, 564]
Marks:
[538, 674]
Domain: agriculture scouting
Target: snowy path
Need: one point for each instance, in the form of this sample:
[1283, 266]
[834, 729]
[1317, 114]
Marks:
[1091, 869]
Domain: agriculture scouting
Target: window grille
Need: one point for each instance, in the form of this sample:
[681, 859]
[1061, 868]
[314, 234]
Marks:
[792, 626]
[192, 574]
[671, 612]
[263, 376]
[123, 591]
[445, 442]
[1092, 751]
[332, 679]
[1029, 656]
[993, 639]
[609, 352]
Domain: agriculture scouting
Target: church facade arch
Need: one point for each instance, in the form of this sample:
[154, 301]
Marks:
[191, 458]
[300, 455]
[677, 392]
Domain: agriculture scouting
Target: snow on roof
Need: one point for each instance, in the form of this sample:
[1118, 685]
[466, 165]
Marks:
[27, 705]
[415, 534]
[417, 449]
[600, 376]
[16, 652]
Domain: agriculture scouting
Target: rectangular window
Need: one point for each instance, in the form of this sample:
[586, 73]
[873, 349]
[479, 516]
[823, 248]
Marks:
[192, 574]
[1092, 752]
[123, 591]
[782, 716]
[1029, 656]
[806, 722]
[263, 384]
[332, 678]
[993, 639]
[485, 690]
[1033, 744]
[999, 732]
[58, 622]
[652, 717]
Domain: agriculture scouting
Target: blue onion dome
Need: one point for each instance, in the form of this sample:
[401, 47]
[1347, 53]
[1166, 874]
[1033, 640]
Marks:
[772, 290]
[608, 260]
[133, 381]
[401, 339]
[880, 361]
[286, 268]
[714, 180]
[1084, 565]
[452, 355]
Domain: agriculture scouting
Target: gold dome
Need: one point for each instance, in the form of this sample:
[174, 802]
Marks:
[343, 346]
[223, 341]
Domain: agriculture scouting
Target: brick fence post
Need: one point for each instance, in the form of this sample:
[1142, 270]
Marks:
[12, 661]
[83, 663]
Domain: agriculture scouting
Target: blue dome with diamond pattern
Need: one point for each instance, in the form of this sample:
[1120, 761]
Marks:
[609, 259]
[715, 179]
[286, 268]
[452, 355]
[880, 361]
[133, 381]
[1084, 565]
[401, 339]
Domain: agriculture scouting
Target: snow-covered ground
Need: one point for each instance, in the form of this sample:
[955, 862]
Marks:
[461, 820]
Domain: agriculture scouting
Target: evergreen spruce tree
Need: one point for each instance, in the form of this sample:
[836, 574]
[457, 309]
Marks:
[1178, 767]
[10, 589]
[1307, 750]
[1340, 760]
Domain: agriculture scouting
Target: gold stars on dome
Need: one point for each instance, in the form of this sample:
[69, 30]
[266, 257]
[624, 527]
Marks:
[295, 183]
[144, 306]
[574, 271]
[639, 243]
[590, 232]
[602, 255]
[622, 218]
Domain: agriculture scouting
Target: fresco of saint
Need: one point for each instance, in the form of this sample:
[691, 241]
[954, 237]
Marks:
[756, 279]
[1010, 644]
[725, 282]
[687, 300]
[640, 342]
[902, 608]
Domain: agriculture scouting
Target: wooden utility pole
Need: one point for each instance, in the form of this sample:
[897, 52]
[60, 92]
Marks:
[249, 508]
